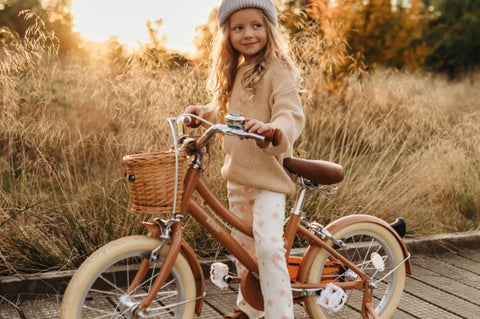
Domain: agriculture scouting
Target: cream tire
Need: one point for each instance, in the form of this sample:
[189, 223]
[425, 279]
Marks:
[80, 291]
[387, 297]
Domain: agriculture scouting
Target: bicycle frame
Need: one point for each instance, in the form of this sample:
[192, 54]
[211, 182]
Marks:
[194, 183]
[171, 231]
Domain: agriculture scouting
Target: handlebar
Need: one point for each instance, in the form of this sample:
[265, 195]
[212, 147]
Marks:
[234, 127]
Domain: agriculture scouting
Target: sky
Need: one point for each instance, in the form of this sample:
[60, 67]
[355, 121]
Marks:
[100, 19]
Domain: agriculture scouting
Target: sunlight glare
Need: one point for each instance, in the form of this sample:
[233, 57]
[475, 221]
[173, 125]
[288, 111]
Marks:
[98, 20]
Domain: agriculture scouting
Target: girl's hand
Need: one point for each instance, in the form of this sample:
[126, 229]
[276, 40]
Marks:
[196, 110]
[257, 127]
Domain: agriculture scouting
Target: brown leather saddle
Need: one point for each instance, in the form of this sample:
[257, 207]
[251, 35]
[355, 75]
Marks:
[317, 171]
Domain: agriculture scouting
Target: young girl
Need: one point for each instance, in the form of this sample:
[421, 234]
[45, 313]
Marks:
[253, 76]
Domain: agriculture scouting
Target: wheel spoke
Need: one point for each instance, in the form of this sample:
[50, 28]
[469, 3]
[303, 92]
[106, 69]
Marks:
[375, 251]
[99, 286]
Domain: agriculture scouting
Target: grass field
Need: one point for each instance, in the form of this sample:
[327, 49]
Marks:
[409, 142]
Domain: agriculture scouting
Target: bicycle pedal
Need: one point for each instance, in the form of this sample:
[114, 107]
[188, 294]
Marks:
[332, 298]
[219, 275]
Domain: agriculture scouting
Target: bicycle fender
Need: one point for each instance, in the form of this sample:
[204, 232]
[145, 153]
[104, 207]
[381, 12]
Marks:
[188, 252]
[340, 223]
[193, 262]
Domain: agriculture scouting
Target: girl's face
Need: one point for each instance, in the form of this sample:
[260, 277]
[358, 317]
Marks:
[248, 33]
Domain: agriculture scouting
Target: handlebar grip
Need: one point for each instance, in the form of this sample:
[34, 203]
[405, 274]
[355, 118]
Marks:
[193, 124]
[274, 136]
[187, 120]
[190, 121]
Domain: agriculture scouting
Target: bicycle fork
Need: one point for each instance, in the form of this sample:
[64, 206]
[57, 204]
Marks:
[175, 238]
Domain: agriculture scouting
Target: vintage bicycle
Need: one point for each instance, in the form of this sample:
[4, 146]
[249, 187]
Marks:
[354, 267]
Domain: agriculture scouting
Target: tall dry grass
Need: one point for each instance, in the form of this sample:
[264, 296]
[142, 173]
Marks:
[410, 144]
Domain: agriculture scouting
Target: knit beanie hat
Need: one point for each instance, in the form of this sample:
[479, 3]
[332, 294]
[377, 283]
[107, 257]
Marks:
[230, 6]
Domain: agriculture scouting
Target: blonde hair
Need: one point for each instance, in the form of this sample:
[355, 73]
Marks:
[225, 61]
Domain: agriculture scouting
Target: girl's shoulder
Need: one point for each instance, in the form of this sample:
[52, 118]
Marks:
[277, 65]
[278, 69]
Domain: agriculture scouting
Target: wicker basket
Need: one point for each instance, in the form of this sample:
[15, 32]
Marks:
[152, 181]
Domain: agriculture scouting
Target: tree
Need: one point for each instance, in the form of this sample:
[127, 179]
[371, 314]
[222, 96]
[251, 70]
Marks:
[385, 32]
[60, 20]
[204, 38]
[320, 42]
[155, 51]
[56, 16]
[453, 34]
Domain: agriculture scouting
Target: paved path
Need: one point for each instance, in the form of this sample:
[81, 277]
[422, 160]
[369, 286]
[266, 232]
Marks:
[443, 285]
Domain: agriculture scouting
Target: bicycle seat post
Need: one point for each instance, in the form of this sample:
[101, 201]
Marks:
[300, 201]
[295, 218]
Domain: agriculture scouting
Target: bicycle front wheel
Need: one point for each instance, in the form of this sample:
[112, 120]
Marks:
[374, 250]
[99, 287]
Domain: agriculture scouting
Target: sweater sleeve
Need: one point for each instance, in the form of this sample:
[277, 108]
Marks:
[287, 115]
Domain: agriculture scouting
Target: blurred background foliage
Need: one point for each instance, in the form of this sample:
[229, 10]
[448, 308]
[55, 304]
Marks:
[437, 35]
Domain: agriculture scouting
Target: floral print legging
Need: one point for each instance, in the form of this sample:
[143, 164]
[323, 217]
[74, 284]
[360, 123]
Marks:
[265, 210]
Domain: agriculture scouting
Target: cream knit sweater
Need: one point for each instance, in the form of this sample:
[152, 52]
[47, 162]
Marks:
[277, 103]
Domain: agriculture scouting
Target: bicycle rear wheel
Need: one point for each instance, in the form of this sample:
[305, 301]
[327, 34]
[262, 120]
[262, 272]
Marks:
[373, 249]
[99, 287]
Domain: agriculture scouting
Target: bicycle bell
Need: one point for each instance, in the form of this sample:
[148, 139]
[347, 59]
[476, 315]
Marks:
[235, 121]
